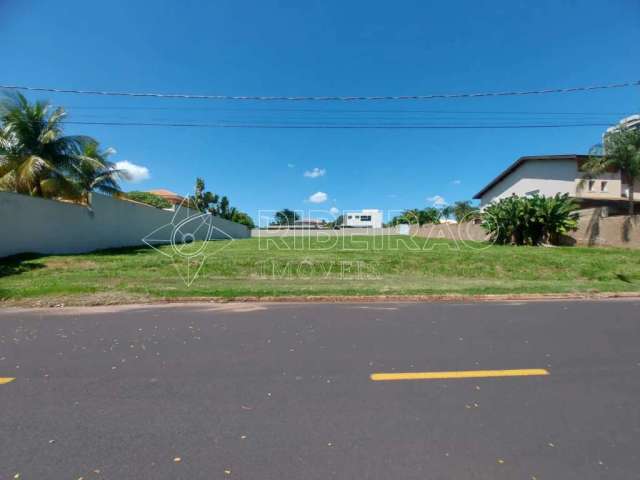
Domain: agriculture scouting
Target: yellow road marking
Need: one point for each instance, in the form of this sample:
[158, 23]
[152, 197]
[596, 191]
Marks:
[4, 380]
[377, 377]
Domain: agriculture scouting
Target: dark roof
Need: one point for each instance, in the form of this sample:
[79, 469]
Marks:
[515, 165]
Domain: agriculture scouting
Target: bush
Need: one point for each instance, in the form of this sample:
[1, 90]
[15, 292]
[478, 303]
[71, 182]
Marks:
[530, 220]
[243, 218]
[149, 198]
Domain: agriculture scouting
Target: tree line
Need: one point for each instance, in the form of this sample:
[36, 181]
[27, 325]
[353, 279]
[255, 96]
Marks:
[461, 211]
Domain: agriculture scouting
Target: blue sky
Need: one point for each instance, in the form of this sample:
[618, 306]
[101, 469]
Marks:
[328, 48]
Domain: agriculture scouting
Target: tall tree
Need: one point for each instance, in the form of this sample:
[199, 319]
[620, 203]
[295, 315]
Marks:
[203, 200]
[447, 211]
[429, 215]
[36, 158]
[286, 217]
[224, 209]
[463, 211]
[620, 152]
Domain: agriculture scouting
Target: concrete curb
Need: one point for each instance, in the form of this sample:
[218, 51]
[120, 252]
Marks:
[98, 302]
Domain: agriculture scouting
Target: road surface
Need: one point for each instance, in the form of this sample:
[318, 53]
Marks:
[284, 391]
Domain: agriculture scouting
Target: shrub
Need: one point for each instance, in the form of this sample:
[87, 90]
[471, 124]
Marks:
[530, 220]
[149, 199]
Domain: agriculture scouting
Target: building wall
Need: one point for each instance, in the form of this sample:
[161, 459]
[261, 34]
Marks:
[375, 222]
[547, 177]
[614, 186]
[38, 225]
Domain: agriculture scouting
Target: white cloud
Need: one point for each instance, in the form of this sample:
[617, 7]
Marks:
[315, 173]
[318, 197]
[291, 165]
[132, 172]
[437, 201]
[334, 211]
[456, 182]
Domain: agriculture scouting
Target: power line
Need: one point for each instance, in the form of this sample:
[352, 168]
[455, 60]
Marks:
[333, 126]
[357, 119]
[339, 110]
[188, 96]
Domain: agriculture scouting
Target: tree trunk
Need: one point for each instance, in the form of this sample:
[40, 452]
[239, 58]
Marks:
[631, 197]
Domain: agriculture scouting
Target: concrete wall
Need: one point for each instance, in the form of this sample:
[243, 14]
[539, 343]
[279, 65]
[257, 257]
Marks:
[595, 230]
[38, 225]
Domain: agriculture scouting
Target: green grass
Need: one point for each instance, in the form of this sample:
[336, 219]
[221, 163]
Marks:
[356, 266]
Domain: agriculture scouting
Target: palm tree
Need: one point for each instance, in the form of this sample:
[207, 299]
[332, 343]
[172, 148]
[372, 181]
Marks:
[223, 208]
[621, 152]
[93, 172]
[463, 211]
[204, 201]
[447, 211]
[35, 157]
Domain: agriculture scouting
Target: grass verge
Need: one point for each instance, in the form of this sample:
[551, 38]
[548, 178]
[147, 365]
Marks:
[307, 267]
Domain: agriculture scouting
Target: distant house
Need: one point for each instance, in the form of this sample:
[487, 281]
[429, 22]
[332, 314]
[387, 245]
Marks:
[302, 224]
[310, 223]
[551, 174]
[367, 218]
[171, 197]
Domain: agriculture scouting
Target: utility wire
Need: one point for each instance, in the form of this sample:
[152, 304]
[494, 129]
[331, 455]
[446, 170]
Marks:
[331, 110]
[333, 126]
[323, 98]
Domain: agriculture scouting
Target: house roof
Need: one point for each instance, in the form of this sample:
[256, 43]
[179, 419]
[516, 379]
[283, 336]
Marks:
[515, 165]
[168, 195]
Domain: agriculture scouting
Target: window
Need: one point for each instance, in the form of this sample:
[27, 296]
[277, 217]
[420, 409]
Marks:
[349, 217]
[592, 185]
[603, 186]
[357, 217]
[365, 218]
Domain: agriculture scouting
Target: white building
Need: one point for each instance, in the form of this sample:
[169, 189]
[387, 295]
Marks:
[551, 174]
[367, 218]
[628, 123]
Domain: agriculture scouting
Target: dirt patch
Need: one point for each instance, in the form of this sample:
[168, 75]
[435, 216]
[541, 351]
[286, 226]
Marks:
[65, 264]
[252, 303]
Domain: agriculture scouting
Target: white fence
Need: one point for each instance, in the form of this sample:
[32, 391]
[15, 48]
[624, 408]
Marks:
[343, 232]
[38, 225]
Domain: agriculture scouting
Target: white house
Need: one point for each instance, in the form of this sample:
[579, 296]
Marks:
[367, 218]
[551, 174]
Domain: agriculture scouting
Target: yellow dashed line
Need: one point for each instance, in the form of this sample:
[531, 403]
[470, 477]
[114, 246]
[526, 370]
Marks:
[4, 380]
[377, 377]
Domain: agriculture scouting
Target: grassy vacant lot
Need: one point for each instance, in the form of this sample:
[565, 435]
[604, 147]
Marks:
[284, 267]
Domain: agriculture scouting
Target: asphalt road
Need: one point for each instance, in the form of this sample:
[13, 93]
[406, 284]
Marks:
[283, 391]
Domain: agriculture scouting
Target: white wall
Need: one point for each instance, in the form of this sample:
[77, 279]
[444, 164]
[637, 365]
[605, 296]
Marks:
[547, 176]
[30, 224]
[342, 232]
